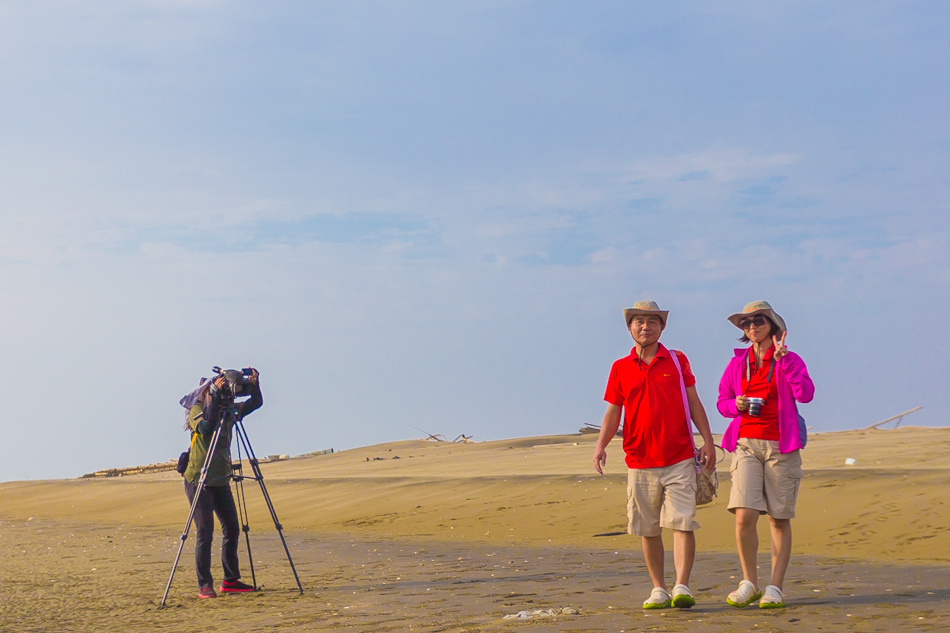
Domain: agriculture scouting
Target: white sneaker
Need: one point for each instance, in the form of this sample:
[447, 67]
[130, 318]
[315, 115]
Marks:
[744, 595]
[682, 598]
[773, 598]
[659, 599]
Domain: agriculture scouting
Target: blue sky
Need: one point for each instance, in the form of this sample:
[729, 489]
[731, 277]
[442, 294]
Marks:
[431, 214]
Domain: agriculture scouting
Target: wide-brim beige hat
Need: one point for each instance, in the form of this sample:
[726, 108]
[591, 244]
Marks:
[758, 307]
[645, 307]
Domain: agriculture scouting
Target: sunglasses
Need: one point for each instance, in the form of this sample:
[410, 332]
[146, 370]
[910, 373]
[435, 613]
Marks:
[758, 321]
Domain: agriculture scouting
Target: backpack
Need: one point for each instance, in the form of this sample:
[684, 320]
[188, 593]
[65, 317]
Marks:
[189, 401]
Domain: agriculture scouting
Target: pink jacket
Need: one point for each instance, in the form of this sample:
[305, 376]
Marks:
[793, 383]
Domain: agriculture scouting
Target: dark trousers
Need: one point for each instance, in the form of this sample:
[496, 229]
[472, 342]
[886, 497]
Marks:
[215, 500]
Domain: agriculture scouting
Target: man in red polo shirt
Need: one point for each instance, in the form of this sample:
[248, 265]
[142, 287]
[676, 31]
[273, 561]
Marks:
[645, 388]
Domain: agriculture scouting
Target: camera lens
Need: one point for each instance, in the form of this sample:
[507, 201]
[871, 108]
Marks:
[755, 406]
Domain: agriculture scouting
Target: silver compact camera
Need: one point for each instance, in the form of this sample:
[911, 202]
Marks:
[755, 406]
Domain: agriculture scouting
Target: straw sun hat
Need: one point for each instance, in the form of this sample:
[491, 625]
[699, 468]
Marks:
[645, 307]
[758, 307]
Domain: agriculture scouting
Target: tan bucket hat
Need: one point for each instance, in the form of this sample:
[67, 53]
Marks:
[645, 307]
[758, 307]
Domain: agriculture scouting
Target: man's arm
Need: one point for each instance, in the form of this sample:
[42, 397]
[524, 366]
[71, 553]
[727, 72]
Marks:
[707, 454]
[608, 429]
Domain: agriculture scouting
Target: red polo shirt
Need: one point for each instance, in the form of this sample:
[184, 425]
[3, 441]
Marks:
[654, 422]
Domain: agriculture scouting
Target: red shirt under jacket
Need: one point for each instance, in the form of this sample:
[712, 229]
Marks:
[765, 426]
[654, 423]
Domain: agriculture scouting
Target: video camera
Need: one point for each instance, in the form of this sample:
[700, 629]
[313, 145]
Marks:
[238, 382]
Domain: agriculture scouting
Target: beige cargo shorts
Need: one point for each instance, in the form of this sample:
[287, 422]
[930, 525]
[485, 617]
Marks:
[661, 498]
[764, 479]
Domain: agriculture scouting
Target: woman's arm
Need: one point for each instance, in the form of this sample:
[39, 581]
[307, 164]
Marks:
[796, 375]
[199, 422]
[727, 393]
[255, 402]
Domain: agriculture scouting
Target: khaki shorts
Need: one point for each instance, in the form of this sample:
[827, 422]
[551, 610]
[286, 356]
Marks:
[764, 479]
[661, 498]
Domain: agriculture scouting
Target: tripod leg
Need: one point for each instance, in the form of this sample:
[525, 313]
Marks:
[259, 477]
[194, 505]
[242, 512]
[181, 547]
[273, 514]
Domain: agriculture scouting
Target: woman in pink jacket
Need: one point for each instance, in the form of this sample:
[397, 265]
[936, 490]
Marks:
[758, 391]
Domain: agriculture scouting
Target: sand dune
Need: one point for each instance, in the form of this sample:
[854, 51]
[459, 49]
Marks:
[504, 526]
[890, 505]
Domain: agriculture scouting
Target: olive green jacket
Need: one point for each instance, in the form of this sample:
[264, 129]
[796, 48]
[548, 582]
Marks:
[219, 470]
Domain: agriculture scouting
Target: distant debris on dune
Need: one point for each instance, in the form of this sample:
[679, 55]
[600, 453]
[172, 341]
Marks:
[326, 451]
[438, 437]
[134, 470]
[173, 463]
[898, 418]
[595, 428]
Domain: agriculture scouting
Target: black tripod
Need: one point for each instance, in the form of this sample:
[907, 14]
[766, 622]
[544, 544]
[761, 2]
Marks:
[231, 419]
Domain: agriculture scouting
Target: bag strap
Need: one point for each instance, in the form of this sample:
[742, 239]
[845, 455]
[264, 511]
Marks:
[689, 419]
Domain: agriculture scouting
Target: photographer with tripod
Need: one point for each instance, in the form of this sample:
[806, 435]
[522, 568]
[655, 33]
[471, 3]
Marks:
[214, 405]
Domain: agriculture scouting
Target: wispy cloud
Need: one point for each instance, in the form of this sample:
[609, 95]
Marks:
[418, 208]
[720, 166]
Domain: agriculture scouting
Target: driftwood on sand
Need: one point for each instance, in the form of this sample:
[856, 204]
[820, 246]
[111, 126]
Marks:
[899, 418]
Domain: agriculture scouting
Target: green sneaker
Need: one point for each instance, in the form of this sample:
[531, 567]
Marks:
[682, 598]
[744, 595]
[659, 599]
[772, 599]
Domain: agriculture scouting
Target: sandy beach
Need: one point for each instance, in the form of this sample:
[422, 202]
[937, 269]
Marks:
[433, 536]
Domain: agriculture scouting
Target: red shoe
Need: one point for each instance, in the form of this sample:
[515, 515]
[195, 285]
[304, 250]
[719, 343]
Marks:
[236, 586]
[207, 592]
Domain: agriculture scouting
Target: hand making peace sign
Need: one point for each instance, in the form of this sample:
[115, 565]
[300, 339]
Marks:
[780, 349]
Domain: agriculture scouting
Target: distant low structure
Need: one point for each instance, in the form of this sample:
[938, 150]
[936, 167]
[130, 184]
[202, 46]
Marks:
[326, 451]
[595, 428]
[172, 463]
[134, 470]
